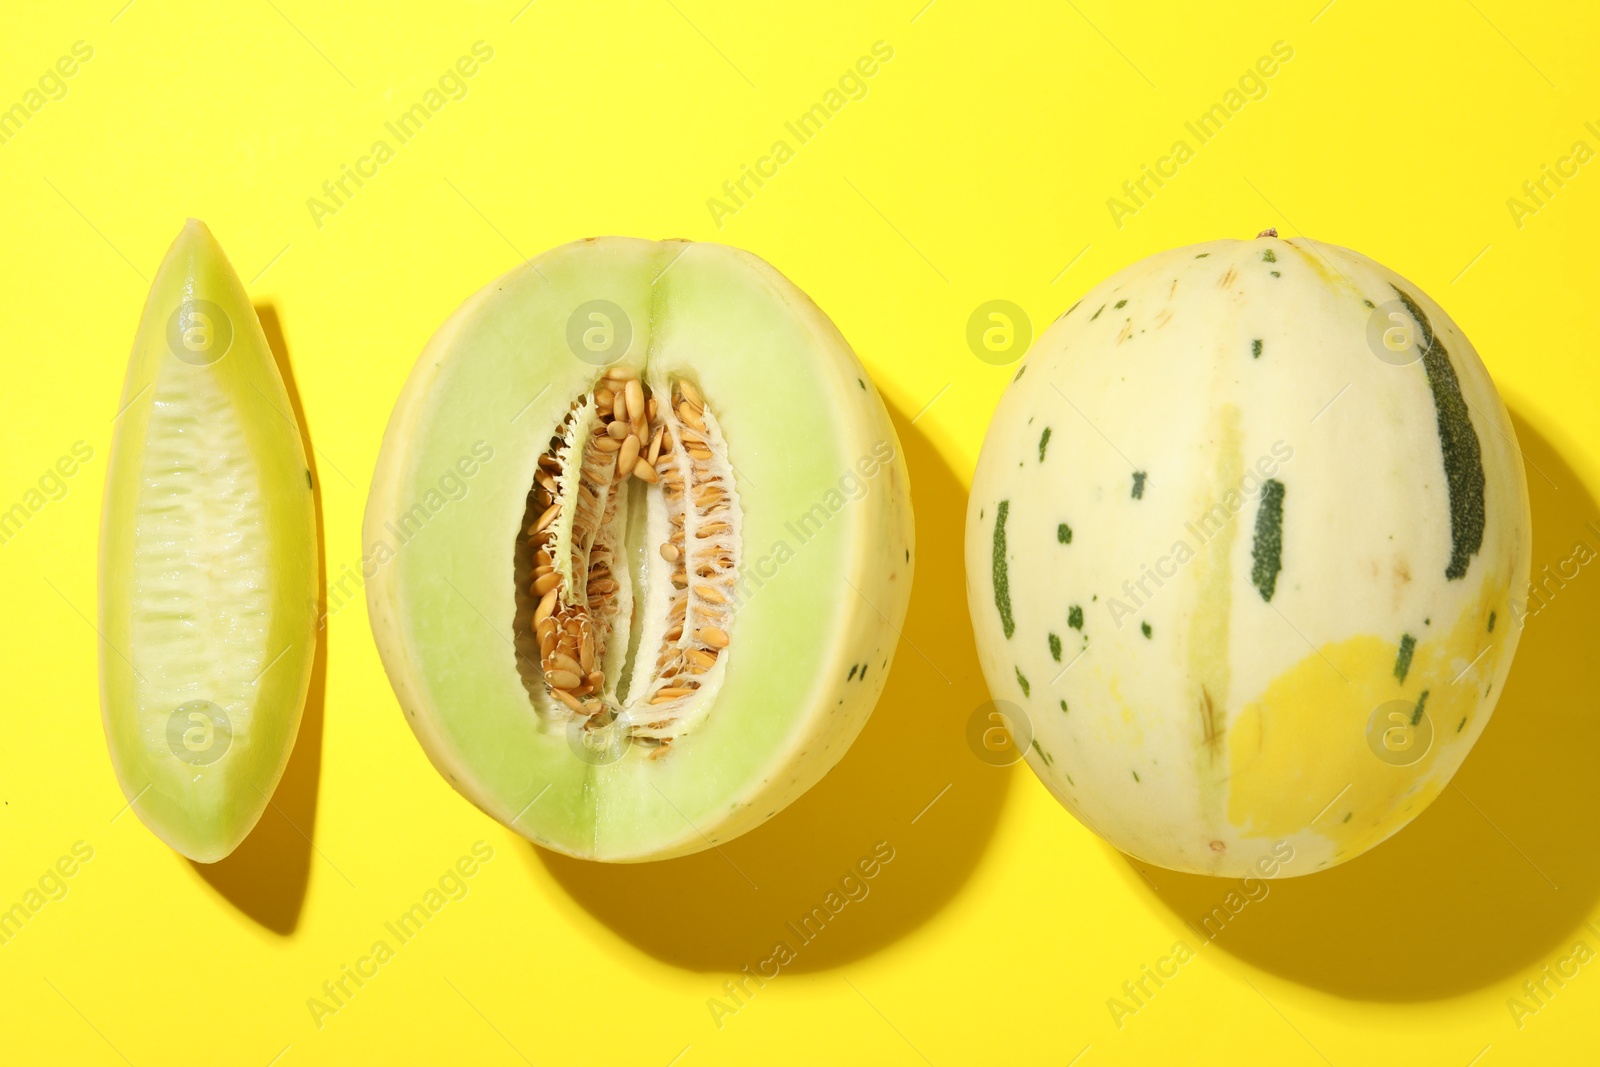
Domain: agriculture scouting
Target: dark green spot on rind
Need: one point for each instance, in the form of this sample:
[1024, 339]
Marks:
[1255, 348]
[1416, 716]
[1347, 816]
[1144, 628]
[1002, 583]
[1055, 648]
[1275, 274]
[1202, 255]
[1269, 256]
[1119, 304]
[1064, 534]
[1075, 617]
[1023, 682]
[852, 675]
[1369, 303]
[1491, 622]
[1063, 707]
[1458, 442]
[1267, 551]
[1402, 661]
[1096, 315]
[1044, 442]
[1042, 753]
[1017, 376]
[862, 384]
[308, 479]
[1138, 485]
[1136, 776]
[1463, 723]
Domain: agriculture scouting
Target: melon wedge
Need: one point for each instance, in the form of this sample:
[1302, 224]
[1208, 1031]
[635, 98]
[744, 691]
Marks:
[208, 562]
[638, 547]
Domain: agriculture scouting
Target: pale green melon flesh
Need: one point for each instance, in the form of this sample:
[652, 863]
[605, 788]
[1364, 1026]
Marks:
[208, 566]
[826, 545]
[1200, 653]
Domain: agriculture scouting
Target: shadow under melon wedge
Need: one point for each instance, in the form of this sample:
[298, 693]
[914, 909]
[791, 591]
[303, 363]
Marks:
[638, 547]
[208, 562]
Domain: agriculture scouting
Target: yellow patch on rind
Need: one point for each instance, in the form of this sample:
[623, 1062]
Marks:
[1304, 742]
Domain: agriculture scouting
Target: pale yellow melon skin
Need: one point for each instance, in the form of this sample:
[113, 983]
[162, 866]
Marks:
[1170, 384]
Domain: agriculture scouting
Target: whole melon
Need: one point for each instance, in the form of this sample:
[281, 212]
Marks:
[1244, 548]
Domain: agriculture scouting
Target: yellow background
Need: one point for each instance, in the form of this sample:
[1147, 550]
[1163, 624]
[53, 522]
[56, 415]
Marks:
[977, 167]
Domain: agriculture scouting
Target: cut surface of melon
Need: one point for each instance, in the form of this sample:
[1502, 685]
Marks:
[666, 595]
[208, 562]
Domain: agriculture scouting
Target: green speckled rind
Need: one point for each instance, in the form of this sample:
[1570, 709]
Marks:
[1275, 534]
[799, 417]
[238, 402]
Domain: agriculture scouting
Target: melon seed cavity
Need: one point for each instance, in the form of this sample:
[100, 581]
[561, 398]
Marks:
[631, 550]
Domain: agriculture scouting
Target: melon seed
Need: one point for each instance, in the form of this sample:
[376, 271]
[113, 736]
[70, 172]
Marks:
[629, 454]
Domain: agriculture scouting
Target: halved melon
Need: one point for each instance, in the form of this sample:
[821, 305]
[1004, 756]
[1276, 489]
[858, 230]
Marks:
[208, 562]
[638, 547]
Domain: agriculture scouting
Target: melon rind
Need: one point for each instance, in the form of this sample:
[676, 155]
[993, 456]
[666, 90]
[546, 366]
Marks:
[1190, 368]
[799, 415]
[208, 564]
